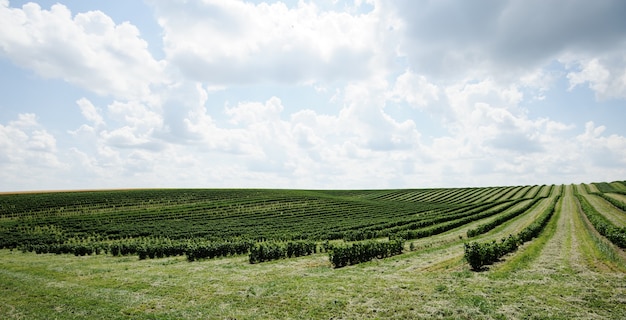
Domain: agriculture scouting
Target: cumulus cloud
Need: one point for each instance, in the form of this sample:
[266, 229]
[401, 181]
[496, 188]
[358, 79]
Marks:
[28, 153]
[603, 151]
[234, 42]
[25, 141]
[405, 94]
[90, 112]
[88, 49]
[605, 76]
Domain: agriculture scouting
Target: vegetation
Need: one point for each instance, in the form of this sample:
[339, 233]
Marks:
[344, 255]
[268, 251]
[271, 254]
[615, 234]
[481, 254]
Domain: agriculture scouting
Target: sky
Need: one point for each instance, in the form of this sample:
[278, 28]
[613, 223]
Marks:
[329, 94]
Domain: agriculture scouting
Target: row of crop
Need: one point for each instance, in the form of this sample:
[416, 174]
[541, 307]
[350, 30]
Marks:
[605, 227]
[449, 225]
[78, 249]
[603, 187]
[386, 227]
[480, 254]
[64, 201]
[182, 226]
[273, 250]
[618, 204]
[447, 215]
[189, 221]
[477, 194]
[501, 219]
[210, 250]
[454, 197]
[344, 255]
[147, 248]
[431, 195]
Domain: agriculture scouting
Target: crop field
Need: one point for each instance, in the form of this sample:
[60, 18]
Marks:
[511, 252]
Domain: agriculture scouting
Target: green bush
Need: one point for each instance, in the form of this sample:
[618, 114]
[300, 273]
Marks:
[343, 255]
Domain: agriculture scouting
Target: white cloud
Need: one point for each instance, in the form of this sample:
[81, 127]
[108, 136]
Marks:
[88, 50]
[606, 76]
[23, 140]
[415, 89]
[28, 154]
[381, 76]
[90, 112]
[603, 151]
[234, 42]
[255, 112]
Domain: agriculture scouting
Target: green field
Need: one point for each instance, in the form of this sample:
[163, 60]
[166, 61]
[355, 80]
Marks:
[186, 254]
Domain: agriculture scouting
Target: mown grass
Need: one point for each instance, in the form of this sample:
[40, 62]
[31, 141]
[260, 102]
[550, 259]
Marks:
[432, 282]
[68, 287]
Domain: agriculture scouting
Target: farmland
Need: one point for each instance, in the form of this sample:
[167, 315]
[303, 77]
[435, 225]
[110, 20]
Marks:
[542, 251]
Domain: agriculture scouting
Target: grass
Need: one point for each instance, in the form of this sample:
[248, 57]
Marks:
[565, 273]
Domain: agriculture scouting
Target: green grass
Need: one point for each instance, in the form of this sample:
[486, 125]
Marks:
[565, 273]
[68, 287]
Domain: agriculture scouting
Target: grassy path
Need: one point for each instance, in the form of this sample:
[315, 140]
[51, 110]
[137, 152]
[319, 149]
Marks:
[609, 211]
[617, 196]
[613, 214]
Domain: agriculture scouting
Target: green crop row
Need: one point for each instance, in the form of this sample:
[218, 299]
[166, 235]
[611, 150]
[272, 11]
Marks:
[615, 234]
[453, 223]
[618, 204]
[273, 250]
[480, 254]
[344, 255]
[501, 219]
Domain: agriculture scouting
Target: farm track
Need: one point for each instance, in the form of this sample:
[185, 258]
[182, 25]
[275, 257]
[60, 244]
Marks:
[562, 252]
[575, 248]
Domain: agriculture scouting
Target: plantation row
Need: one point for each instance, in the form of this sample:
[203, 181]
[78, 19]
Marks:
[615, 234]
[461, 195]
[219, 215]
[480, 254]
[293, 220]
[278, 224]
[339, 255]
[485, 227]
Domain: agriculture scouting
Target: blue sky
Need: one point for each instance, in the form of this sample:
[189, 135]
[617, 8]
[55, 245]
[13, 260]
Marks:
[310, 94]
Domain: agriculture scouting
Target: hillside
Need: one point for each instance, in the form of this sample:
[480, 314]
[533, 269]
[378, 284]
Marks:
[172, 253]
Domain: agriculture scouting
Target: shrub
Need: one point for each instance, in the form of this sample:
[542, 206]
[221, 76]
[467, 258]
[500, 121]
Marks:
[341, 256]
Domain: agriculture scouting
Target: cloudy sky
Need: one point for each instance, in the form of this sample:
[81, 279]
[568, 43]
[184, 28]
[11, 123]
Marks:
[311, 94]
